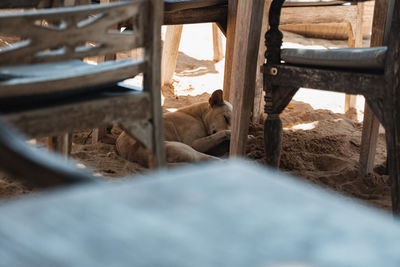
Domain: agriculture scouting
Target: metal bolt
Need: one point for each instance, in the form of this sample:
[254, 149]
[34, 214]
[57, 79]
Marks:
[273, 71]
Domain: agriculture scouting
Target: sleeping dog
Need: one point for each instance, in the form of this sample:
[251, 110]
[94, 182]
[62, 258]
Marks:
[189, 133]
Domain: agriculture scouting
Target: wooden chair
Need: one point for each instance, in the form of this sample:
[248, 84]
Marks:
[371, 72]
[46, 90]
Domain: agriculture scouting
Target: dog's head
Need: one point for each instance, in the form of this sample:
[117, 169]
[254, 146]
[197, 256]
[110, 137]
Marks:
[219, 114]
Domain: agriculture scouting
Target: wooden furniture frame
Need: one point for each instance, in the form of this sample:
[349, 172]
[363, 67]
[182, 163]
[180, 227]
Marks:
[247, 97]
[178, 13]
[93, 95]
[381, 89]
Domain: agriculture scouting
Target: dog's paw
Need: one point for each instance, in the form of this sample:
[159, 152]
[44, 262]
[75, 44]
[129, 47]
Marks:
[251, 137]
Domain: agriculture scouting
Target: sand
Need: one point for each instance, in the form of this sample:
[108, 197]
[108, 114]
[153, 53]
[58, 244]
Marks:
[320, 144]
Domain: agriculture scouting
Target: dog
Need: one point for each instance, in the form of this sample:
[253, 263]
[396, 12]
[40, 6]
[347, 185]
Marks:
[189, 133]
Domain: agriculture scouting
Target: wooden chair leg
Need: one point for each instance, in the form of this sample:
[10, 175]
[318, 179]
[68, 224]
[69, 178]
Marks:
[356, 27]
[247, 40]
[230, 40]
[98, 134]
[369, 141]
[170, 53]
[273, 139]
[61, 144]
[217, 43]
[370, 131]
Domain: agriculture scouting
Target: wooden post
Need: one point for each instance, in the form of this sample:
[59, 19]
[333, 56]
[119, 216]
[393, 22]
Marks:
[61, 144]
[230, 40]
[244, 67]
[152, 81]
[351, 100]
[99, 133]
[217, 43]
[369, 136]
[258, 108]
[170, 53]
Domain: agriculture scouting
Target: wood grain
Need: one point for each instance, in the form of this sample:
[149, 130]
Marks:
[244, 68]
[170, 53]
[229, 49]
[371, 123]
[67, 39]
[217, 43]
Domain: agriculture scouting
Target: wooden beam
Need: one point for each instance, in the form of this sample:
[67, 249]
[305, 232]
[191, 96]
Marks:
[244, 67]
[170, 53]
[370, 132]
[230, 39]
[351, 100]
[217, 43]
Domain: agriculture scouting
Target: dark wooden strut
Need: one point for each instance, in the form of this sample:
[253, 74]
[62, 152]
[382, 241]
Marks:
[391, 106]
[275, 99]
[198, 15]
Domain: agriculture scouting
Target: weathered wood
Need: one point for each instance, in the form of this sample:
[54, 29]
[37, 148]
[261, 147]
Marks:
[258, 107]
[217, 43]
[229, 48]
[391, 107]
[308, 77]
[67, 37]
[312, 15]
[244, 68]
[104, 103]
[196, 15]
[351, 100]
[61, 144]
[152, 78]
[330, 31]
[170, 53]
[81, 76]
[318, 14]
[71, 116]
[371, 124]
[381, 90]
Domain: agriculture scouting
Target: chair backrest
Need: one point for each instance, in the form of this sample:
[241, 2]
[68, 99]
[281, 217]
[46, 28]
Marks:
[52, 35]
[57, 34]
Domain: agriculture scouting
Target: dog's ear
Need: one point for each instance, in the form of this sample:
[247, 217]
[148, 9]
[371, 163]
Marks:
[216, 99]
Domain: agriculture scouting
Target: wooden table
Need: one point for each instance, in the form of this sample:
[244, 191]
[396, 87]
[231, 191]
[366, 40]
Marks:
[221, 214]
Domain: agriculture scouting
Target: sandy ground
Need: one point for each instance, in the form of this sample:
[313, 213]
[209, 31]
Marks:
[320, 144]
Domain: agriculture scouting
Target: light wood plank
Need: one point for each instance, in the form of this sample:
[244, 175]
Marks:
[217, 43]
[244, 68]
[351, 100]
[170, 53]
[229, 49]
[152, 80]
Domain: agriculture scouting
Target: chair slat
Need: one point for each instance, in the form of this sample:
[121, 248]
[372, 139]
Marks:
[105, 73]
[68, 33]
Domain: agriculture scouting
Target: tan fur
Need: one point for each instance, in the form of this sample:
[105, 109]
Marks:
[189, 132]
